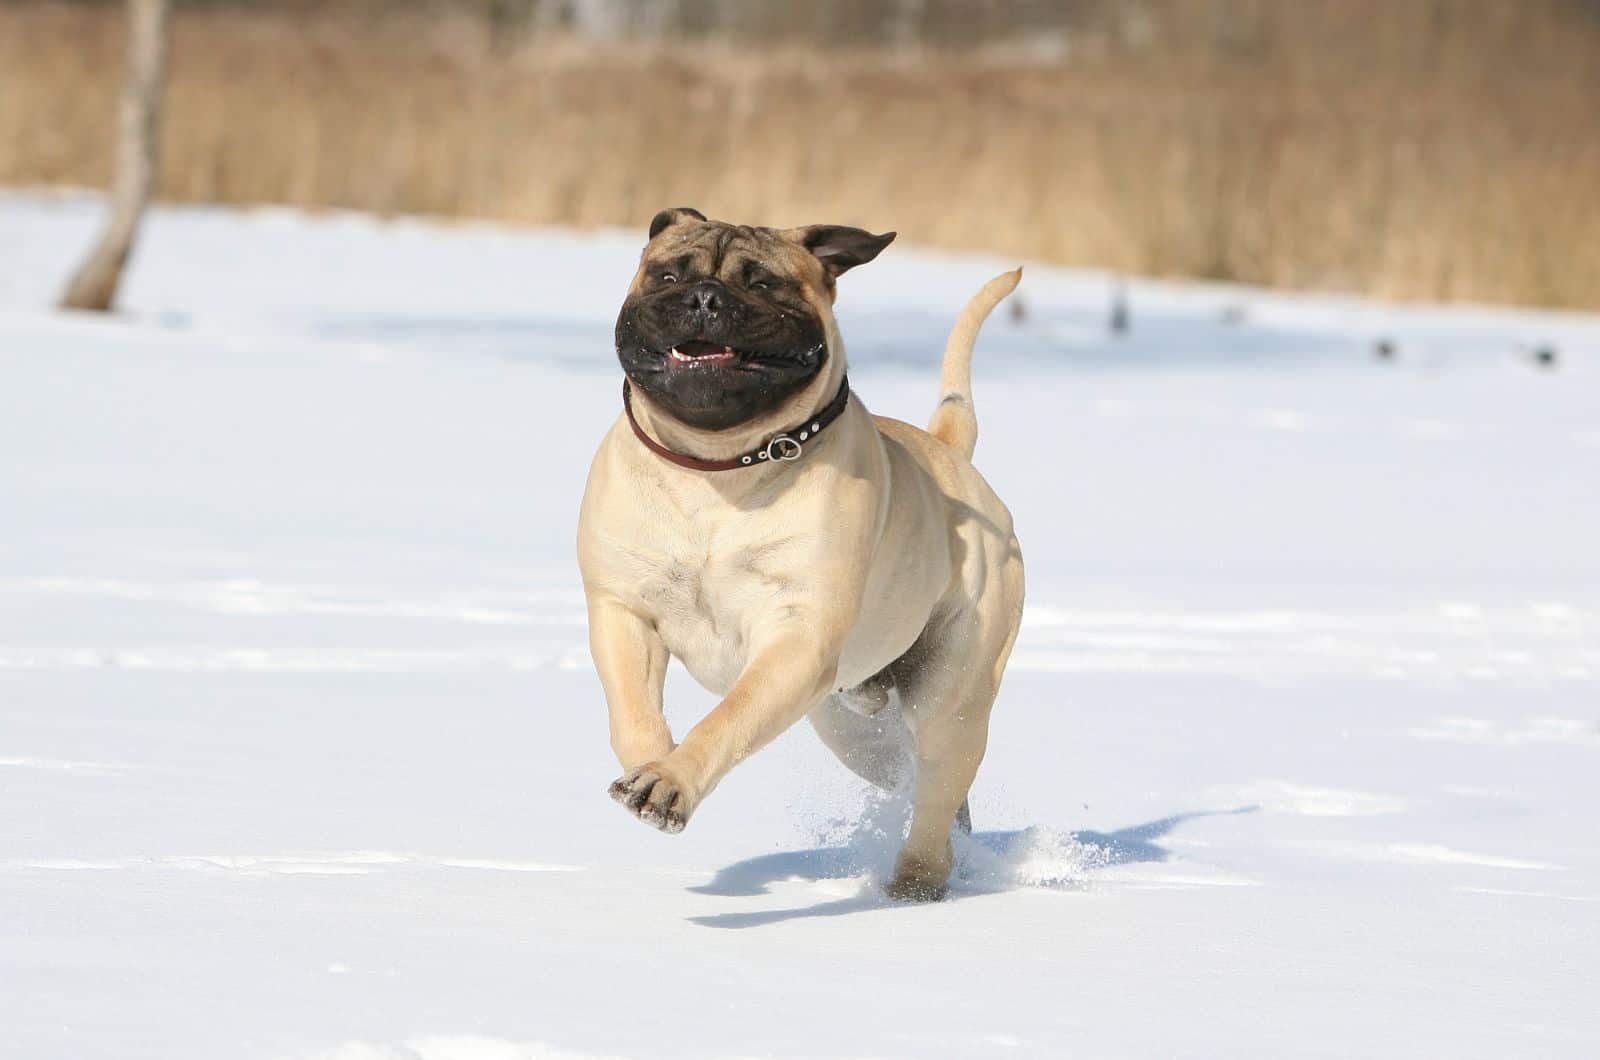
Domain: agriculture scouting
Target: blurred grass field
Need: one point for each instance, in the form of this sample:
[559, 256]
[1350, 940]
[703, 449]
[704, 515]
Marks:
[1426, 149]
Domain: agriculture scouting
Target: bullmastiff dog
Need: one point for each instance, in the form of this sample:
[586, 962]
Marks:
[801, 557]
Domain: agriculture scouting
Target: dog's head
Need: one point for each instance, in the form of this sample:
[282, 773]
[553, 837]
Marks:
[724, 323]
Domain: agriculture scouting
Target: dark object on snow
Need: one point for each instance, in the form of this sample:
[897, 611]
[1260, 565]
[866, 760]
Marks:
[94, 285]
[1234, 313]
[1385, 349]
[1119, 309]
[1019, 309]
[1545, 356]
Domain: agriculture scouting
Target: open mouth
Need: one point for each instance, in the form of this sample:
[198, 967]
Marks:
[702, 353]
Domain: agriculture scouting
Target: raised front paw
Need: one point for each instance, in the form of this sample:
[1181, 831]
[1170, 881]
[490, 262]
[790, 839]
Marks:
[656, 795]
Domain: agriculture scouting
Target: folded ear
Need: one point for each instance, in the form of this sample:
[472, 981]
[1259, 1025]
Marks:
[839, 247]
[675, 215]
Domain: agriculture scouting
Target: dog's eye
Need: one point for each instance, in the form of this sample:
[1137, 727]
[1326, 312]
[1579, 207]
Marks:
[760, 285]
[668, 277]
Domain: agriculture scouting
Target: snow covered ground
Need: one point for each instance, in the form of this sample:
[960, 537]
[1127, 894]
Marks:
[301, 755]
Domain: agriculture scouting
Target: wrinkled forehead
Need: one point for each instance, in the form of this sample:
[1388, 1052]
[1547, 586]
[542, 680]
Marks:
[715, 248]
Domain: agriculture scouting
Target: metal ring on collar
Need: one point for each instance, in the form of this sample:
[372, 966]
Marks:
[783, 447]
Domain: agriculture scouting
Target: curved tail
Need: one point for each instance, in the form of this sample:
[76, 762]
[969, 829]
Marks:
[954, 422]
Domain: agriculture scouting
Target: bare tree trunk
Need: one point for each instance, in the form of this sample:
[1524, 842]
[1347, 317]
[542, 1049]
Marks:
[138, 128]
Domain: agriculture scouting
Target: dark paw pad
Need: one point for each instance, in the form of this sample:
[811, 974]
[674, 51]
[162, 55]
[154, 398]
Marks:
[654, 799]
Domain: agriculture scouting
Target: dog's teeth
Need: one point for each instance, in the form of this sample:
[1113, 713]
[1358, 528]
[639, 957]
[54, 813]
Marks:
[679, 355]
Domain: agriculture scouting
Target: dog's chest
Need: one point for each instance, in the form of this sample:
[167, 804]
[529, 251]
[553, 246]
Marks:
[705, 592]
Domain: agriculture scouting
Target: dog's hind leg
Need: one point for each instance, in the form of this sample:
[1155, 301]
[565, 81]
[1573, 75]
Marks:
[863, 728]
[948, 685]
[950, 730]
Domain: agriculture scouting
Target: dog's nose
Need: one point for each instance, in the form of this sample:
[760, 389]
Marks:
[705, 297]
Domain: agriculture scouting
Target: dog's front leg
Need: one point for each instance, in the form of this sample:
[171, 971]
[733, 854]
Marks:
[788, 673]
[632, 662]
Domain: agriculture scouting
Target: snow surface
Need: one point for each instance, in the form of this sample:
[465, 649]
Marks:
[301, 754]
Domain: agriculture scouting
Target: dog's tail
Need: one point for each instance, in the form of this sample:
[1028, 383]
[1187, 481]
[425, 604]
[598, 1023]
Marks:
[954, 422]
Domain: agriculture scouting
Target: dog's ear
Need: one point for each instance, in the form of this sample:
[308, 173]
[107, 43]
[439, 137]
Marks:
[839, 247]
[676, 215]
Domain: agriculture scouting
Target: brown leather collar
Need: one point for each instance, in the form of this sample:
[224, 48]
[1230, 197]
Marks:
[786, 445]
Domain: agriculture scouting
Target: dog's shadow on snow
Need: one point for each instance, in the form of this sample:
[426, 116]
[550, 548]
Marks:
[1090, 851]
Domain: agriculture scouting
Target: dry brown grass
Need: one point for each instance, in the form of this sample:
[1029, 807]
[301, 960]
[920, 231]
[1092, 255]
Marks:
[1447, 149]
